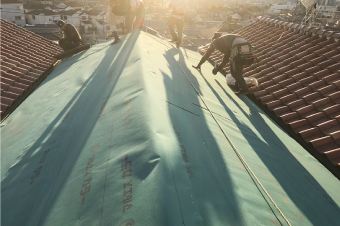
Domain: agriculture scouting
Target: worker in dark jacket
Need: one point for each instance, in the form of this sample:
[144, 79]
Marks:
[235, 48]
[71, 39]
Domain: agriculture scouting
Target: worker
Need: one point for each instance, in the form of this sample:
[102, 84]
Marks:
[71, 39]
[115, 12]
[238, 50]
[137, 11]
[177, 18]
[119, 9]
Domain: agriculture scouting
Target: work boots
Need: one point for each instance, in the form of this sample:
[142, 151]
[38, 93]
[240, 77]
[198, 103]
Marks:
[243, 89]
[117, 39]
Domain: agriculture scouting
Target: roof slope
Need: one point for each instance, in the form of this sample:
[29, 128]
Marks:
[298, 71]
[118, 135]
[25, 57]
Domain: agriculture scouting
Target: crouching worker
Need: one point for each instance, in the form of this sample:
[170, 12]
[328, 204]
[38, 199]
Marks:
[235, 48]
[71, 39]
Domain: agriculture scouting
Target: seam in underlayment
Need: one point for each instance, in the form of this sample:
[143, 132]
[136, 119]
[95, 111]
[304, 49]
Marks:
[173, 177]
[230, 142]
[181, 108]
[109, 152]
[228, 119]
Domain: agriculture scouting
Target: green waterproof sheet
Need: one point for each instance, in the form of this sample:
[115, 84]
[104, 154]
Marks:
[117, 135]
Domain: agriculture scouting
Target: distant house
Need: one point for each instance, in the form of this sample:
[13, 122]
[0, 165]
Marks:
[236, 17]
[13, 11]
[71, 17]
[53, 8]
[62, 6]
[86, 27]
[75, 5]
[48, 31]
[47, 2]
[42, 16]
[100, 19]
[279, 8]
[91, 2]
[29, 6]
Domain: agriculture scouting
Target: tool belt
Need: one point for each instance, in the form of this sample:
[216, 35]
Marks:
[245, 55]
[242, 54]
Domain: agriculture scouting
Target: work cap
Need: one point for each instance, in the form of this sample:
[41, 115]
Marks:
[60, 23]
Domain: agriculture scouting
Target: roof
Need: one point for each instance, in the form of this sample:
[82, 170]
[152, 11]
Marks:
[49, 36]
[118, 134]
[69, 12]
[299, 80]
[42, 26]
[23, 64]
[52, 6]
[100, 22]
[43, 11]
[74, 4]
[94, 12]
[86, 22]
[33, 5]
[11, 2]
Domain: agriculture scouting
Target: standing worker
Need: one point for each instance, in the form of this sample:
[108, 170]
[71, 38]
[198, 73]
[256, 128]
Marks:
[119, 8]
[177, 18]
[238, 50]
[137, 10]
[71, 39]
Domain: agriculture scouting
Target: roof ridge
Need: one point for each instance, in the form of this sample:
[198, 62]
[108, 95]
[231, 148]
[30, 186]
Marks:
[299, 27]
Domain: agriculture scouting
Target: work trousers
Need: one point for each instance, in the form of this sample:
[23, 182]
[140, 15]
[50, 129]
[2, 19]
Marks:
[66, 44]
[179, 24]
[139, 14]
[237, 74]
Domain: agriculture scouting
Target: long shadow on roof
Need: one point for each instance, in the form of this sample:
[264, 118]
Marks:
[303, 192]
[39, 200]
[192, 127]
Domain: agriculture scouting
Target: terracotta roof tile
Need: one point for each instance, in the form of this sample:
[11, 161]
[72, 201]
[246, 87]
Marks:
[25, 56]
[322, 73]
[334, 67]
[311, 133]
[300, 76]
[9, 94]
[316, 85]
[297, 104]
[290, 117]
[323, 103]
[335, 97]
[329, 126]
[282, 110]
[308, 80]
[317, 118]
[332, 111]
[274, 104]
[327, 90]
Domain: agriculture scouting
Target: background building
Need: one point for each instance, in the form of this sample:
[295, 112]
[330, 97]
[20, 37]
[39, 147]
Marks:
[13, 11]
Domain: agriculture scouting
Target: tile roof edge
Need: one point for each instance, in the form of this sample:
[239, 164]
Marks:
[19, 101]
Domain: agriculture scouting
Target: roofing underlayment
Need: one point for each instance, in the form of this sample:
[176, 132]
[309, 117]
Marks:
[298, 70]
[123, 135]
[25, 57]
